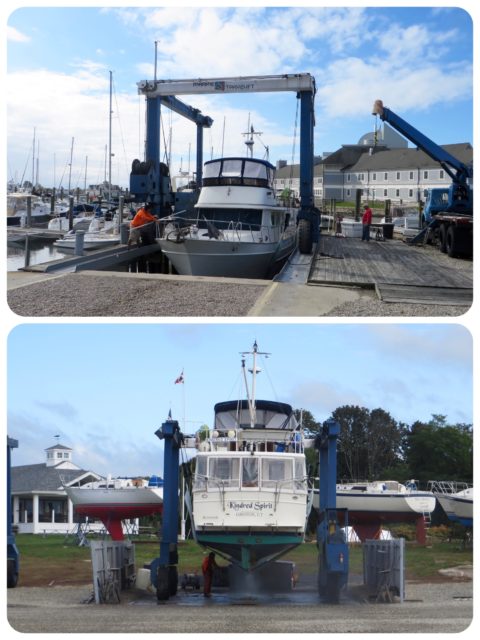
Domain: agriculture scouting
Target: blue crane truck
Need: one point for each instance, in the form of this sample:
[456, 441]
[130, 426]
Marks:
[447, 217]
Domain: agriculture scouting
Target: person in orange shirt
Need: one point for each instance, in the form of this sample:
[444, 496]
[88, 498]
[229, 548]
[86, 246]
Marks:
[208, 567]
[142, 227]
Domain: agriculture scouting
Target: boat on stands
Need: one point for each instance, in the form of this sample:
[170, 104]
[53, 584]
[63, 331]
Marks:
[115, 500]
[250, 495]
[99, 234]
[238, 227]
[371, 505]
[456, 499]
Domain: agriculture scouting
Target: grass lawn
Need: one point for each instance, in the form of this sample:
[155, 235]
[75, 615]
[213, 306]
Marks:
[52, 559]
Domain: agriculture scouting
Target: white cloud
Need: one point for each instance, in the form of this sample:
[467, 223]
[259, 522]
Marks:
[14, 35]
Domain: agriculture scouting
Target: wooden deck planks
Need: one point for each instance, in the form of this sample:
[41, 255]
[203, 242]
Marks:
[349, 261]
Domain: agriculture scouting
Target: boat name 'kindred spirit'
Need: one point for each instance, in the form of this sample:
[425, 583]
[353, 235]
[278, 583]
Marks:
[251, 506]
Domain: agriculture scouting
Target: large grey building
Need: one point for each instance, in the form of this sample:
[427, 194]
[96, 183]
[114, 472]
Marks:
[384, 168]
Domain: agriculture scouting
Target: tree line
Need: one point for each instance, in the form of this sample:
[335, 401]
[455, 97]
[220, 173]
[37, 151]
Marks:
[372, 445]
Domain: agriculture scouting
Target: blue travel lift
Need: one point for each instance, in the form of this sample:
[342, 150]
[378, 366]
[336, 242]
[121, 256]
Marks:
[331, 542]
[13, 556]
[332, 548]
[149, 180]
[163, 570]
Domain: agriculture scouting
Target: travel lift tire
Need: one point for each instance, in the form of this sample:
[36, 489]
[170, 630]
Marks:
[167, 582]
[305, 236]
[12, 574]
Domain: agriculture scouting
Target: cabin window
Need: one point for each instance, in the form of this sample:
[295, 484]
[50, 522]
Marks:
[224, 470]
[250, 472]
[300, 474]
[274, 471]
[255, 170]
[200, 472]
[232, 168]
[211, 170]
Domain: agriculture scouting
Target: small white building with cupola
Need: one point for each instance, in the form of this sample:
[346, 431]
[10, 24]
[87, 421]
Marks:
[39, 501]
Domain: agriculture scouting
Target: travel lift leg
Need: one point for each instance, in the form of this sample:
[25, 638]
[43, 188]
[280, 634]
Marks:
[308, 216]
[332, 548]
[163, 570]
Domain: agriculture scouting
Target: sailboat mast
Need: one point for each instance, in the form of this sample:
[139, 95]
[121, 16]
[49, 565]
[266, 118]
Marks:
[70, 168]
[250, 405]
[33, 159]
[110, 143]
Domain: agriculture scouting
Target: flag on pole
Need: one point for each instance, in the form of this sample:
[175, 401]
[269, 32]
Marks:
[179, 379]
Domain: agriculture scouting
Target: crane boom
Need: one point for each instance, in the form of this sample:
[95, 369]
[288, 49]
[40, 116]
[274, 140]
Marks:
[458, 171]
[297, 82]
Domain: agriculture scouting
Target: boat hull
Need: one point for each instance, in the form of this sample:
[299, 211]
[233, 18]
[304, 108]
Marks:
[112, 506]
[368, 512]
[225, 258]
[458, 509]
[88, 244]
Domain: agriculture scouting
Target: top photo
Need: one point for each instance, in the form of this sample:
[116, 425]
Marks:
[239, 162]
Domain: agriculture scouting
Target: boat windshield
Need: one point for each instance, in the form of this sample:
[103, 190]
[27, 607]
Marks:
[223, 218]
[238, 171]
[249, 472]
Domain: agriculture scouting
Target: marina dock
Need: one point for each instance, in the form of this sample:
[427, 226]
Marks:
[341, 271]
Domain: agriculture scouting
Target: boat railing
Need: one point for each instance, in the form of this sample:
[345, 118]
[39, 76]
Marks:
[205, 481]
[446, 487]
[176, 228]
[294, 488]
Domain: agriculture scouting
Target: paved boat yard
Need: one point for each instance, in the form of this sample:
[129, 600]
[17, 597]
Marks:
[445, 607]
[344, 277]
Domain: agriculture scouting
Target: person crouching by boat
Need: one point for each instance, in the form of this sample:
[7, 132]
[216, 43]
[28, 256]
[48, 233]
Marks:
[208, 567]
[142, 227]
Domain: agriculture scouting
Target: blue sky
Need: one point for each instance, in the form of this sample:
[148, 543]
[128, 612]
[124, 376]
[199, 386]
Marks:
[106, 388]
[418, 60]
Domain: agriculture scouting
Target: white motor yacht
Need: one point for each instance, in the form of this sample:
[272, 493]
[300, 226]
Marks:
[239, 228]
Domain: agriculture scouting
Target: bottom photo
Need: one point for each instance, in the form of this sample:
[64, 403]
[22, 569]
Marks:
[318, 476]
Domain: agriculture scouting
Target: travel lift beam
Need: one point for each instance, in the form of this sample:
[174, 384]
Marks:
[159, 92]
[333, 550]
[331, 541]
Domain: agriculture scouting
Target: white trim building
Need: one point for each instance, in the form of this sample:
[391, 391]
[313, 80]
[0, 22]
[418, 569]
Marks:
[39, 501]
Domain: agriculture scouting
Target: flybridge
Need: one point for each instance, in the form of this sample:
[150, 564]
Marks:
[298, 82]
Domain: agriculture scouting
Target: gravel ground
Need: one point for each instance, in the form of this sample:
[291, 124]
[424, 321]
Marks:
[117, 295]
[371, 306]
[80, 294]
[428, 608]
